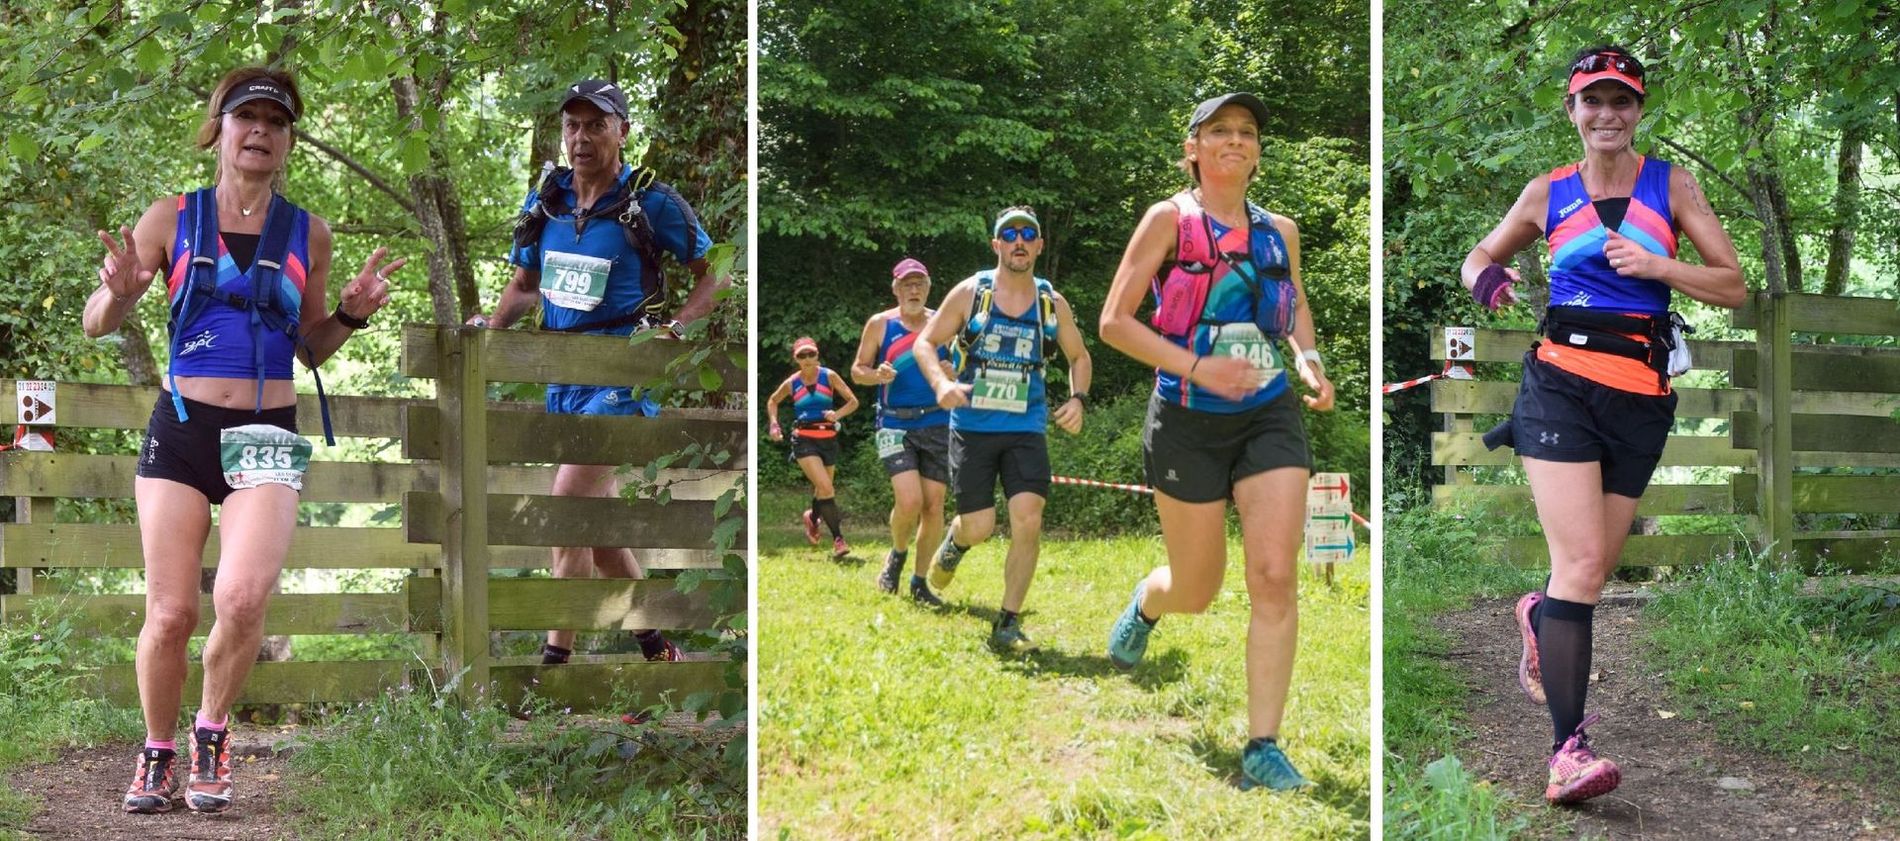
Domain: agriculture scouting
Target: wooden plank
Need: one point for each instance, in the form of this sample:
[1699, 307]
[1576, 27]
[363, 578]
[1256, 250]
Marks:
[73, 475]
[525, 356]
[110, 406]
[589, 687]
[522, 520]
[1828, 494]
[582, 439]
[1823, 432]
[292, 682]
[584, 604]
[1829, 314]
[1702, 450]
[1658, 501]
[1837, 368]
[1497, 398]
[117, 546]
[1493, 345]
[462, 395]
[1640, 550]
[288, 613]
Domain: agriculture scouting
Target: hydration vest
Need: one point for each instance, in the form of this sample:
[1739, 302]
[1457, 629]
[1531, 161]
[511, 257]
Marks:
[264, 305]
[979, 319]
[548, 201]
[1181, 288]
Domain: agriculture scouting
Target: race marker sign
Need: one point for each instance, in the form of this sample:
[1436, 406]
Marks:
[1329, 538]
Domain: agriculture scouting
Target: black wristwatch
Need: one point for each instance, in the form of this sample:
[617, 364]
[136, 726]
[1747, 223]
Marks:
[1081, 397]
[350, 321]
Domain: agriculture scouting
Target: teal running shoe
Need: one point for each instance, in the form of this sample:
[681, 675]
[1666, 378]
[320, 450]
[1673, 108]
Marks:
[1128, 637]
[1010, 639]
[1264, 764]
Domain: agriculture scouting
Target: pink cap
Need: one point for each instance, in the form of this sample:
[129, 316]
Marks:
[907, 267]
[804, 343]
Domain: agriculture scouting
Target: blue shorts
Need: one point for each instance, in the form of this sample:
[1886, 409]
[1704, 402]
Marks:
[599, 400]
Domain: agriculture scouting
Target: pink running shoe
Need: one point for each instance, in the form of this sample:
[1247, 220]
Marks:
[811, 527]
[1577, 773]
[839, 548]
[1529, 676]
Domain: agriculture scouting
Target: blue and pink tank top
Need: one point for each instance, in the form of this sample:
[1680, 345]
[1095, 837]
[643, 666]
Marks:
[1580, 276]
[217, 341]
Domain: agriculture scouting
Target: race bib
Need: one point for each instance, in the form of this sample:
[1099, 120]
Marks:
[1247, 342]
[890, 442]
[575, 281]
[1001, 390]
[261, 454]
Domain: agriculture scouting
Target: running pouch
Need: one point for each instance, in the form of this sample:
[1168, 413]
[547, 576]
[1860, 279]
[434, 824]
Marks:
[1679, 360]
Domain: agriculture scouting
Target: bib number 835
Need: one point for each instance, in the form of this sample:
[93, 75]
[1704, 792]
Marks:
[264, 458]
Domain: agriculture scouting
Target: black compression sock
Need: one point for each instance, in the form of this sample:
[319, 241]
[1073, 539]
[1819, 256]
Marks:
[1008, 618]
[554, 655]
[900, 556]
[651, 642]
[1261, 742]
[1563, 655]
[827, 510]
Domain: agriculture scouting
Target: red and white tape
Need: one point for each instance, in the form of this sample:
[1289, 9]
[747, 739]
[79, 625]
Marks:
[1452, 371]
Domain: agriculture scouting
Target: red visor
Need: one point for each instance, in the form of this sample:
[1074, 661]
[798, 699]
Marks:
[1615, 67]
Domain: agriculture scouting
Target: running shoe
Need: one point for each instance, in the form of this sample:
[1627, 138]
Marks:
[920, 593]
[943, 567]
[210, 787]
[1263, 764]
[1577, 773]
[1529, 677]
[811, 527]
[669, 653]
[1010, 639]
[893, 569]
[839, 548]
[154, 786]
[1128, 637]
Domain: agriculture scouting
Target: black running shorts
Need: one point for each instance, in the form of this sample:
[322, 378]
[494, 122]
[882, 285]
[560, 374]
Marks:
[977, 459]
[187, 452]
[826, 449]
[925, 450]
[1560, 416]
[1196, 456]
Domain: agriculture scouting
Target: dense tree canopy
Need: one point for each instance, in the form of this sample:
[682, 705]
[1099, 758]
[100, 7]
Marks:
[892, 130]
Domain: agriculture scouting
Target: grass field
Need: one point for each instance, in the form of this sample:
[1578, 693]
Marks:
[879, 719]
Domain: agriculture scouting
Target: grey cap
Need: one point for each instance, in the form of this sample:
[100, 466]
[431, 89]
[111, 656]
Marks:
[602, 94]
[1206, 109]
[259, 88]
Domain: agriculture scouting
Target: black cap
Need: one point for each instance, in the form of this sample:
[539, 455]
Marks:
[1207, 109]
[259, 88]
[602, 94]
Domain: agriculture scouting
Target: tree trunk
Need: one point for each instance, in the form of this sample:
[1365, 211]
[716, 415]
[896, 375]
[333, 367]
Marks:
[136, 352]
[1840, 242]
[1763, 183]
[439, 212]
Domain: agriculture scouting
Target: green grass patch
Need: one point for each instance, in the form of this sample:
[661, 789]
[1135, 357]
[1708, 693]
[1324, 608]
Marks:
[1806, 672]
[410, 765]
[41, 710]
[878, 719]
[1434, 563]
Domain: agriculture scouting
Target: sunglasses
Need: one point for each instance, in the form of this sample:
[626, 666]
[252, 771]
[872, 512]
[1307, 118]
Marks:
[1599, 62]
[1011, 234]
[810, 354]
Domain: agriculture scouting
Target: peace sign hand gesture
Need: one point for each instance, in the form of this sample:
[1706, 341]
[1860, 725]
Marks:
[121, 273]
[369, 290]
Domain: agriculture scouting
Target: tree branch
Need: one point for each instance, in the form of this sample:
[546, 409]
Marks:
[357, 168]
[1710, 168]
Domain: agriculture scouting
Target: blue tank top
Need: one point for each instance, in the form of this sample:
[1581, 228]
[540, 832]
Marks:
[810, 401]
[910, 390]
[569, 255]
[1230, 304]
[1006, 350]
[217, 339]
[1580, 276]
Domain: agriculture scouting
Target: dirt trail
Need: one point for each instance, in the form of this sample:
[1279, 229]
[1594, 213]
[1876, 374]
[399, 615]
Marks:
[80, 794]
[1679, 779]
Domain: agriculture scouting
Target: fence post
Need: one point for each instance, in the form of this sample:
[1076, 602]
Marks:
[1774, 454]
[461, 396]
[33, 581]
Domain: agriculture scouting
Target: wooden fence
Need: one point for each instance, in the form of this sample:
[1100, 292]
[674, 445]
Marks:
[473, 491]
[1792, 408]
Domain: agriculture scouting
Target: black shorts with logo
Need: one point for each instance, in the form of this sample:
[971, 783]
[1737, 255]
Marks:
[978, 458]
[187, 451]
[1196, 456]
[1560, 416]
[826, 449]
[926, 450]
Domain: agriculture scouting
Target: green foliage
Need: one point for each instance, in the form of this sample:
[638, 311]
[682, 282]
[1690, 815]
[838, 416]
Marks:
[875, 148]
[42, 710]
[1445, 802]
[1803, 673]
[411, 765]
